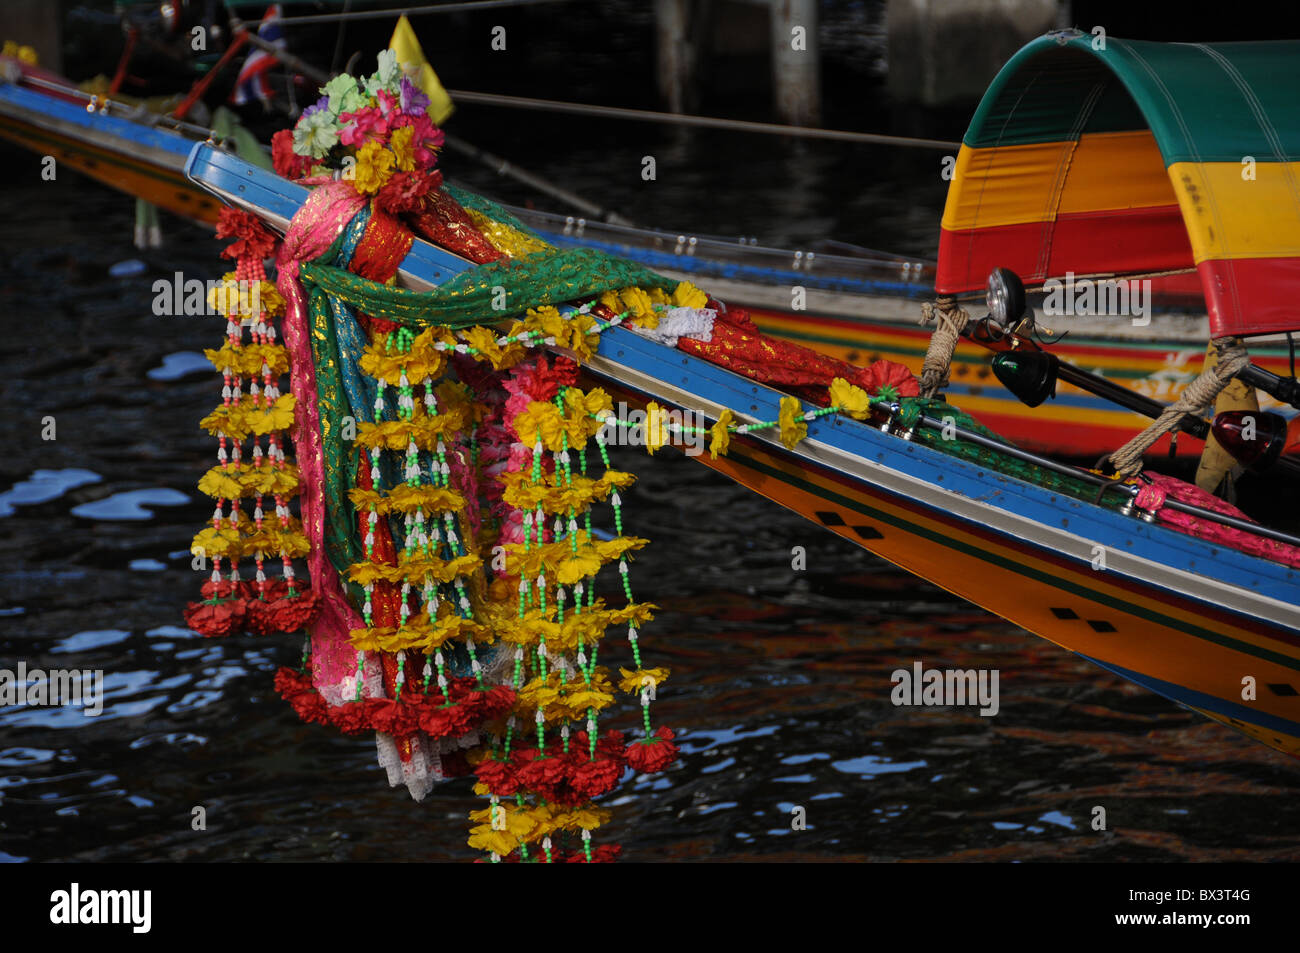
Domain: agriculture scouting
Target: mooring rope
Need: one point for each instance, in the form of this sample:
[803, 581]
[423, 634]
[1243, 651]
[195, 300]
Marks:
[1232, 358]
[950, 321]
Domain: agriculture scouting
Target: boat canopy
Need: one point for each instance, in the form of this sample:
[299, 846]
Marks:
[1128, 158]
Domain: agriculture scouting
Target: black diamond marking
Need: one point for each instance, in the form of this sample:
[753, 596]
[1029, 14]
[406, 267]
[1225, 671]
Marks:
[1065, 613]
[830, 518]
[1101, 625]
[1283, 689]
[868, 532]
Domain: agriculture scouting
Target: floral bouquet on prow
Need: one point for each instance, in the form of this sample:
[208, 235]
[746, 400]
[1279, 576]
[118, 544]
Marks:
[375, 133]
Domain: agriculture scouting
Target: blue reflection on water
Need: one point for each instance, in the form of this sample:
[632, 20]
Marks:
[178, 365]
[43, 486]
[130, 504]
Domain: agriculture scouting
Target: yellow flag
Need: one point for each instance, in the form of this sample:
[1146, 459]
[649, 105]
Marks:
[412, 62]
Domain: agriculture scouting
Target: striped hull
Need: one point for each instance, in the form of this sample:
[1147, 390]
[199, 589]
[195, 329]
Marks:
[152, 175]
[1169, 612]
[1179, 615]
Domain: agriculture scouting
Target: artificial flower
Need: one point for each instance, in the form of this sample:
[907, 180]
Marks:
[425, 138]
[216, 619]
[403, 149]
[656, 432]
[635, 682]
[389, 71]
[499, 777]
[880, 374]
[604, 854]
[792, 425]
[720, 434]
[286, 614]
[686, 295]
[850, 399]
[405, 191]
[288, 163]
[321, 105]
[361, 126]
[296, 688]
[387, 104]
[315, 135]
[344, 97]
[593, 778]
[653, 753]
[253, 239]
[413, 100]
[374, 168]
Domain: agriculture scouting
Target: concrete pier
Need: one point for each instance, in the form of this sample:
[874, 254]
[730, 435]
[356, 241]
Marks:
[947, 51]
[688, 30]
[796, 62]
[675, 48]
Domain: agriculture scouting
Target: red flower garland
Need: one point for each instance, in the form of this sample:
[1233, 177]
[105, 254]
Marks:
[566, 778]
[469, 708]
[253, 239]
[230, 607]
[648, 755]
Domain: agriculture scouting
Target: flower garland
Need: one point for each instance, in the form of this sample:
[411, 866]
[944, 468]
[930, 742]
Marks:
[541, 792]
[250, 411]
[375, 133]
[468, 449]
[456, 560]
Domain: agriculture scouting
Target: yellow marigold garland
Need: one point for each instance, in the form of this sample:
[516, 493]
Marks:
[252, 408]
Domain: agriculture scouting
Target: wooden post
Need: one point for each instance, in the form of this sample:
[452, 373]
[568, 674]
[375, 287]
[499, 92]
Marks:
[675, 54]
[943, 52]
[796, 62]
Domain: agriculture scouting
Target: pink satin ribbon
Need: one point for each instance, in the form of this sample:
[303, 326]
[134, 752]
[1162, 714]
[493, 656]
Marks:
[321, 219]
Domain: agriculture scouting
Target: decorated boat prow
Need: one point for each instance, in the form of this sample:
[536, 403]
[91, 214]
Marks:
[453, 380]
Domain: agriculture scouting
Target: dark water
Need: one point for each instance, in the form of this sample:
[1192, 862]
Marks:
[780, 685]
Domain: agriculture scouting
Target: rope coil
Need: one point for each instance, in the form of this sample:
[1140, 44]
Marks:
[1231, 358]
[950, 321]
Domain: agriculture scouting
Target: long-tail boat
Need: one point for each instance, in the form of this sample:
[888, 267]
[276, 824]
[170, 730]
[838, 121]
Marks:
[1151, 578]
[855, 305]
[449, 368]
